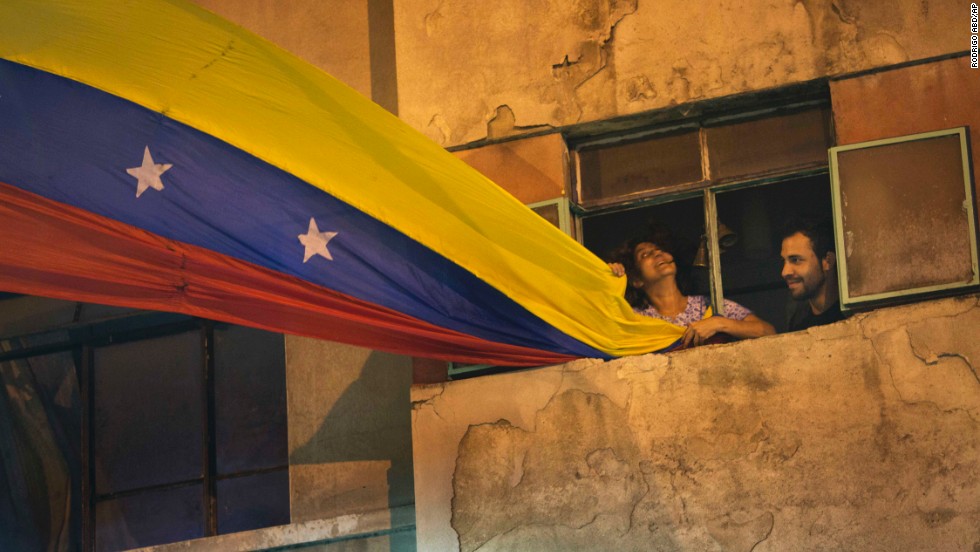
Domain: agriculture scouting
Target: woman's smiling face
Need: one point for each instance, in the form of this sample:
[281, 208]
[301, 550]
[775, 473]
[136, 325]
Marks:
[652, 263]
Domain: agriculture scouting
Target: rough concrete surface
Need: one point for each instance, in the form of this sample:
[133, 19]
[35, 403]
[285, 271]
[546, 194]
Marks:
[349, 429]
[862, 435]
[331, 35]
[379, 531]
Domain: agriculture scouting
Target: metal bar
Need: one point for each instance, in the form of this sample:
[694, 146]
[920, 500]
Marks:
[902, 65]
[210, 461]
[691, 189]
[37, 351]
[772, 111]
[638, 135]
[150, 488]
[742, 182]
[711, 228]
[703, 149]
[94, 337]
[87, 396]
[657, 197]
[186, 483]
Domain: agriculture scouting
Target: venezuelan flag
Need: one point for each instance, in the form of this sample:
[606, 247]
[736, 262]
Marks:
[156, 156]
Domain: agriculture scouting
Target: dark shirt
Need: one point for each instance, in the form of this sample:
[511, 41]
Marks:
[803, 317]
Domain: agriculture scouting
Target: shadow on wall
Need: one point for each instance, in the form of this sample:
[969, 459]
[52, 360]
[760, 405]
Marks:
[366, 433]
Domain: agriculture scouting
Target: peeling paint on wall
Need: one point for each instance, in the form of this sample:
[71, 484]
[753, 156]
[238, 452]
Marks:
[859, 435]
[559, 63]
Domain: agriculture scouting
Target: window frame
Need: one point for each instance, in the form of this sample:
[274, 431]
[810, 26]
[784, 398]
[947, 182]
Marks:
[133, 328]
[789, 101]
[707, 187]
[850, 303]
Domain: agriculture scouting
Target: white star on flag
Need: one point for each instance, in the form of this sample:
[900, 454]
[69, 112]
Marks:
[316, 241]
[148, 174]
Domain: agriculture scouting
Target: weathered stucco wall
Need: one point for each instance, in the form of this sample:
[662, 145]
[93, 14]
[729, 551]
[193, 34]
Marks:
[863, 435]
[464, 63]
[909, 100]
[331, 35]
[350, 447]
[353, 40]
[379, 531]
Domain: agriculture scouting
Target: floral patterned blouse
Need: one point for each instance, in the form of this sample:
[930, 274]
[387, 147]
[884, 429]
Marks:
[696, 307]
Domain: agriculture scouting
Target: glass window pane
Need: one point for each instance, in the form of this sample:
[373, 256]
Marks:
[550, 213]
[149, 518]
[57, 380]
[751, 267]
[254, 501]
[631, 168]
[768, 145]
[902, 210]
[250, 399]
[148, 412]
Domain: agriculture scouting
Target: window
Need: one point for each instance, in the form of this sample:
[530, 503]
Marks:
[181, 424]
[923, 182]
[557, 212]
[727, 176]
[735, 178]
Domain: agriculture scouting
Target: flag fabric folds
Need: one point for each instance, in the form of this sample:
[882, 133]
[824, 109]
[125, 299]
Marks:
[154, 155]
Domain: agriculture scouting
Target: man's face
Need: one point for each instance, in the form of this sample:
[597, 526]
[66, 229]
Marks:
[804, 273]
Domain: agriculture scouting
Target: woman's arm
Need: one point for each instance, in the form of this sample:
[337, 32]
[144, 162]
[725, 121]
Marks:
[752, 326]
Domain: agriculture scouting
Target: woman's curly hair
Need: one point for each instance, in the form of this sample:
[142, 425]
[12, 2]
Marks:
[660, 235]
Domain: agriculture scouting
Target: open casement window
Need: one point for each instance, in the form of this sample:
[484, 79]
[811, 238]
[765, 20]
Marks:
[727, 182]
[558, 212]
[187, 434]
[722, 185]
[906, 218]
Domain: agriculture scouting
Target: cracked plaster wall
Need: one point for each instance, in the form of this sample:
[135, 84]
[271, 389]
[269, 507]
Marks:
[863, 435]
[468, 69]
[300, 26]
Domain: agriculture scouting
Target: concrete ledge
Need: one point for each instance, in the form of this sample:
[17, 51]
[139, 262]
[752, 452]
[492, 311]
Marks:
[316, 532]
[861, 435]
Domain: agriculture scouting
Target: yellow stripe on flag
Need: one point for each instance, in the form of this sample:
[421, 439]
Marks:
[194, 67]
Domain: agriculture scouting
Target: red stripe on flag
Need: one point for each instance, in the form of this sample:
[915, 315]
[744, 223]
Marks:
[55, 250]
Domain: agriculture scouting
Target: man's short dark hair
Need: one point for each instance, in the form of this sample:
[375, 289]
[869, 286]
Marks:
[818, 230]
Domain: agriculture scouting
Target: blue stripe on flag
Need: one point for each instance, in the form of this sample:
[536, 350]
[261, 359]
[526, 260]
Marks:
[72, 143]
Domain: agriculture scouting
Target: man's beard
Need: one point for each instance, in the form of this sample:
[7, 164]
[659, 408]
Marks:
[806, 292]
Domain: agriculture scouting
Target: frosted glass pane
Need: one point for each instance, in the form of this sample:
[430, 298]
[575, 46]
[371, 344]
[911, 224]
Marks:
[903, 216]
[549, 213]
[771, 144]
[624, 169]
